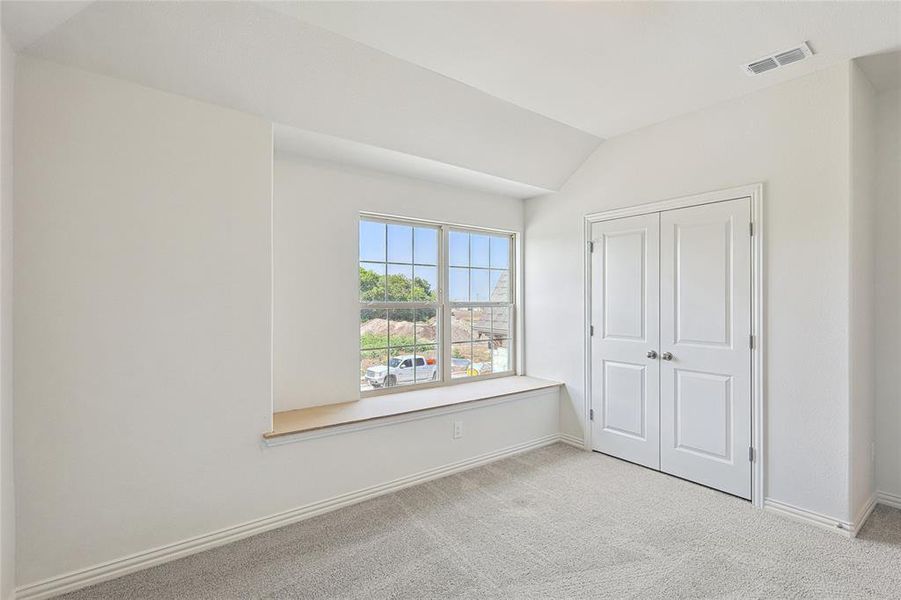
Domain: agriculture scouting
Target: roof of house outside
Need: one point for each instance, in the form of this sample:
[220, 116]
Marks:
[500, 293]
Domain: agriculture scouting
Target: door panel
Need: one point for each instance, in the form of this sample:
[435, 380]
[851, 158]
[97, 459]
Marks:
[625, 315]
[624, 399]
[703, 414]
[705, 323]
[624, 284]
[702, 279]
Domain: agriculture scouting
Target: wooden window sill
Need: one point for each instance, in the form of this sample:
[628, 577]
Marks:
[302, 422]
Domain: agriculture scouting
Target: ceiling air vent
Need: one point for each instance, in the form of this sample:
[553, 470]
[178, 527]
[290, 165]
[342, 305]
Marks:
[762, 66]
[780, 59]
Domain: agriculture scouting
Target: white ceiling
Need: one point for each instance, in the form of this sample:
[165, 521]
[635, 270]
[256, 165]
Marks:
[883, 70]
[610, 67]
[27, 22]
[512, 96]
[243, 56]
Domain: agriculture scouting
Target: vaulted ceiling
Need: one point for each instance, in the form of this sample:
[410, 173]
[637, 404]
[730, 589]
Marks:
[506, 96]
[610, 67]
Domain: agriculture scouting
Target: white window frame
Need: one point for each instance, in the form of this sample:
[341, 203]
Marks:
[444, 306]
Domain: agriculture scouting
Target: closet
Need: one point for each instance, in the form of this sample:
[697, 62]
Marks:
[671, 344]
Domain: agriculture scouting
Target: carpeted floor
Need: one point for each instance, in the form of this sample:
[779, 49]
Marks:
[551, 523]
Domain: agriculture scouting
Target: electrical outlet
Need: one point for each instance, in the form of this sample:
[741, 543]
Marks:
[458, 429]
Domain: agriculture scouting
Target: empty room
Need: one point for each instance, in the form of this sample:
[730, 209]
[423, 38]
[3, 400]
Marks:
[450, 299]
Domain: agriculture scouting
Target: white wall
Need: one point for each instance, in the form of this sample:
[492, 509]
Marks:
[888, 293]
[143, 371]
[317, 207]
[862, 307]
[7, 488]
[793, 137]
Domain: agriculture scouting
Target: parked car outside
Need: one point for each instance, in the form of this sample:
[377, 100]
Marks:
[401, 370]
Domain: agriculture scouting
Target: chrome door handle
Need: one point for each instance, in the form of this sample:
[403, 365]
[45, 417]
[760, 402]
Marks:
[666, 356]
[651, 354]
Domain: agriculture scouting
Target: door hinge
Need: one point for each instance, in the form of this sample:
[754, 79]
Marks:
[751, 453]
[751, 341]
[591, 414]
[591, 246]
[591, 330]
[751, 228]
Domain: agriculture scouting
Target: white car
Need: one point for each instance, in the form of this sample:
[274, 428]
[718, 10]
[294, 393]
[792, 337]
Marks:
[402, 369]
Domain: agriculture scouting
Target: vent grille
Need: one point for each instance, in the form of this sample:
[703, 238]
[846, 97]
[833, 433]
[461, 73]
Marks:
[779, 59]
[762, 66]
[787, 58]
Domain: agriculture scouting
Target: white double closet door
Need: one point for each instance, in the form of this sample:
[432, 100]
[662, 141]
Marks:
[671, 359]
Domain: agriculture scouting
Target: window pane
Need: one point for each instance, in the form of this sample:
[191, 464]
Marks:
[426, 325]
[425, 247]
[400, 367]
[500, 286]
[425, 283]
[459, 249]
[478, 250]
[500, 356]
[372, 241]
[461, 362]
[459, 285]
[488, 351]
[400, 263]
[478, 285]
[500, 252]
[500, 323]
[400, 243]
[481, 324]
[373, 369]
[373, 328]
[400, 327]
[461, 324]
[412, 335]
[400, 283]
[481, 359]
[427, 368]
[372, 282]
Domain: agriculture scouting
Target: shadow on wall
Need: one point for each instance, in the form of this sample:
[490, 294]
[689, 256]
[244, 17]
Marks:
[571, 416]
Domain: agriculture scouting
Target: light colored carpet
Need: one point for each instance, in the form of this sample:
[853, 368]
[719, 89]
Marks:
[551, 523]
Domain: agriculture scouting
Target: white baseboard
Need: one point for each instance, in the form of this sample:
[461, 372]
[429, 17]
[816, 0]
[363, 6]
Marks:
[848, 528]
[142, 560]
[573, 440]
[863, 515]
[808, 516]
[888, 499]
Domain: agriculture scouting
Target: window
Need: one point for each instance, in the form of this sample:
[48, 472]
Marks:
[436, 304]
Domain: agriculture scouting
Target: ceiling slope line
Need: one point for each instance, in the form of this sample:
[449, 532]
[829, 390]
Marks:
[292, 141]
[271, 6]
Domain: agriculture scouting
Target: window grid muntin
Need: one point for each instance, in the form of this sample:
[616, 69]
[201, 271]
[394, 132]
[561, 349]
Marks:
[443, 306]
[509, 303]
